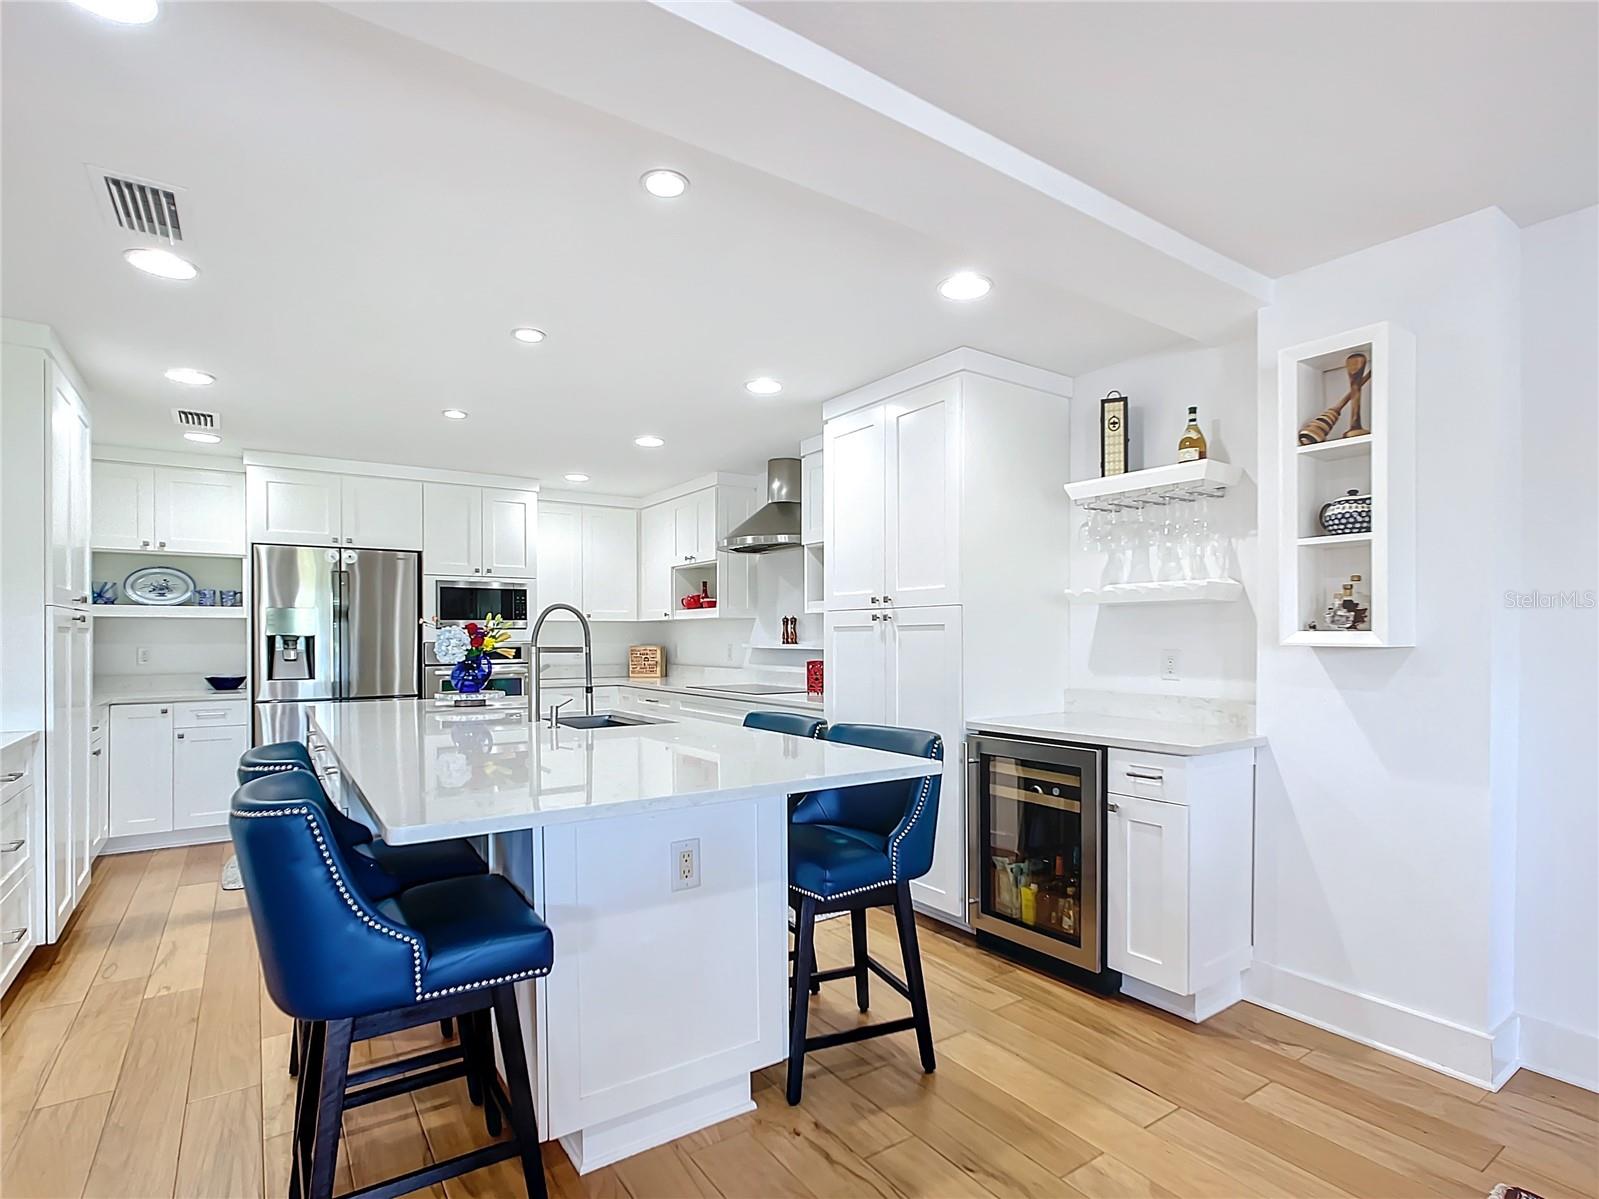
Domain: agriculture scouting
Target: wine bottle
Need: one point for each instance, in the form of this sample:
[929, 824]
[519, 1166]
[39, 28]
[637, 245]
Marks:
[1191, 446]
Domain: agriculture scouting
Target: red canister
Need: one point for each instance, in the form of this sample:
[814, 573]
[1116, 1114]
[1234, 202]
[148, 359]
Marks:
[813, 676]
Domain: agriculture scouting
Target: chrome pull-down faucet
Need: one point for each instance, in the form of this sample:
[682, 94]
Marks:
[586, 649]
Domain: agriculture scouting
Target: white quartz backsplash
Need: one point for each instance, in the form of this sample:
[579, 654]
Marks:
[1217, 715]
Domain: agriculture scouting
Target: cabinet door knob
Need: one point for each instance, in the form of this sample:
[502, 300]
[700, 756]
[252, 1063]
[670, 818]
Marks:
[144, 544]
[180, 736]
[349, 541]
[161, 545]
[81, 619]
[888, 599]
[1110, 807]
[488, 570]
[874, 599]
[94, 753]
[334, 540]
[163, 711]
[876, 616]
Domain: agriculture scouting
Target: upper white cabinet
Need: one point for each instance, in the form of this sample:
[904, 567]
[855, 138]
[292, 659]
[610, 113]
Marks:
[588, 557]
[479, 530]
[380, 514]
[657, 553]
[303, 507]
[892, 513]
[179, 511]
[683, 531]
[68, 492]
[812, 526]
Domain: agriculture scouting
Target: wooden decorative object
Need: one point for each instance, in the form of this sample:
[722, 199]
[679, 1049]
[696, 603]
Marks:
[1319, 428]
[646, 662]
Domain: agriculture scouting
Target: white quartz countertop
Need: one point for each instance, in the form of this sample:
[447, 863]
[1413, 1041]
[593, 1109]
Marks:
[12, 737]
[1120, 732]
[158, 689]
[677, 685]
[428, 773]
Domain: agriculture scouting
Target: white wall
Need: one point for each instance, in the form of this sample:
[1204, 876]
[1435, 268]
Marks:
[1557, 840]
[1385, 799]
[1118, 647]
[192, 647]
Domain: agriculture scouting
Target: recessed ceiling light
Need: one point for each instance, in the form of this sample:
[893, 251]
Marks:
[454, 414]
[965, 285]
[576, 477]
[202, 438]
[163, 264]
[763, 386]
[649, 441]
[190, 377]
[665, 185]
[530, 336]
[123, 12]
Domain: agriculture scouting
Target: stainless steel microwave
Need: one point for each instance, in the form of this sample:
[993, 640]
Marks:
[457, 601]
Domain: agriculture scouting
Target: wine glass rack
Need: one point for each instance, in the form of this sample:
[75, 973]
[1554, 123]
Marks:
[1181, 482]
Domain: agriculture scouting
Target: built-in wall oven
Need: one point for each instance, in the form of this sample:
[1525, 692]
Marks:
[1037, 869]
[512, 678]
[457, 601]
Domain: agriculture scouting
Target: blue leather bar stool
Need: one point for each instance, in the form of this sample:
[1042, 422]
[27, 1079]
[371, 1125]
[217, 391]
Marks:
[794, 724]
[353, 968]
[854, 848]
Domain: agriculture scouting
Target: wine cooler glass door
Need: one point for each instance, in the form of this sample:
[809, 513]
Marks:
[1037, 846]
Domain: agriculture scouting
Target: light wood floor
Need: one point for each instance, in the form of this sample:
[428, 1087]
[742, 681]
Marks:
[141, 1057]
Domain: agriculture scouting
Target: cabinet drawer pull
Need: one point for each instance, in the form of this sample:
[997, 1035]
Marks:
[180, 736]
[1112, 807]
[81, 619]
[209, 712]
[10, 776]
[12, 846]
[94, 753]
[12, 935]
[1153, 778]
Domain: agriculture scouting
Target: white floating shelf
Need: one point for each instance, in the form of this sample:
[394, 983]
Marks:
[1159, 485]
[1335, 539]
[808, 648]
[696, 614]
[1331, 637]
[1182, 590]
[101, 611]
[1336, 448]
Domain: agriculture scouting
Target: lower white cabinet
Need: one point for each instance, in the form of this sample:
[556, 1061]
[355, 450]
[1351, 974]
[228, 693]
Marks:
[173, 766]
[1178, 870]
[20, 898]
[66, 767]
[99, 782]
[903, 667]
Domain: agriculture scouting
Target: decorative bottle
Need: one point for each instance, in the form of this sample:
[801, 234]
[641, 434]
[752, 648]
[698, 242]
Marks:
[1191, 446]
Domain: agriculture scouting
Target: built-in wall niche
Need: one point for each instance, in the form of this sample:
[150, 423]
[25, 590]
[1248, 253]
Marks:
[782, 580]
[210, 572]
[1346, 421]
[698, 578]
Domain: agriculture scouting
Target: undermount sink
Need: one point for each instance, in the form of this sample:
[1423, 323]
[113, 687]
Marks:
[603, 720]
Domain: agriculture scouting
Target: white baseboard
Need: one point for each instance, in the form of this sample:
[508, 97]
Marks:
[173, 840]
[1560, 1052]
[1472, 1055]
[1197, 1008]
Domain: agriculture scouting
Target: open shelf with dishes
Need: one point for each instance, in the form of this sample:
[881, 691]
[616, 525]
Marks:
[1347, 519]
[196, 585]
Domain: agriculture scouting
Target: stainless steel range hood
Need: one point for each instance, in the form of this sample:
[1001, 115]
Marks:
[777, 525]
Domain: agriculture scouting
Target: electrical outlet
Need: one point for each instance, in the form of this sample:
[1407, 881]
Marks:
[142, 655]
[1168, 665]
[685, 864]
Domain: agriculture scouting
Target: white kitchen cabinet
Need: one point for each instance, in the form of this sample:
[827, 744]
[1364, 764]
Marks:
[903, 668]
[21, 778]
[178, 511]
[812, 528]
[205, 765]
[380, 514]
[122, 506]
[479, 530]
[892, 518]
[1178, 862]
[560, 557]
[452, 530]
[657, 550]
[694, 526]
[68, 792]
[99, 783]
[68, 492]
[610, 563]
[510, 532]
[294, 507]
[141, 769]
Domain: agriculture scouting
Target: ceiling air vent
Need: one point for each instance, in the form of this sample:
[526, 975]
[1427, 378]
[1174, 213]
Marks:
[143, 207]
[192, 420]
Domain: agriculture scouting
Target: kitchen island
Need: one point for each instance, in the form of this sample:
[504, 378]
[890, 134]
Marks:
[657, 853]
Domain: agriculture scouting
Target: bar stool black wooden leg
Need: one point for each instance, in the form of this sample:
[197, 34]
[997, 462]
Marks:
[524, 1121]
[474, 1067]
[800, 1002]
[309, 1034]
[857, 928]
[295, 1033]
[447, 1027]
[911, 953]
[477, 1024]
[335, 1068]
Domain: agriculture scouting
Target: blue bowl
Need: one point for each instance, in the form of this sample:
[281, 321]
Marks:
[225, 682]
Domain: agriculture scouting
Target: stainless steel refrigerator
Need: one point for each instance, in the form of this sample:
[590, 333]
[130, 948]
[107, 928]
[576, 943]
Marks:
[332, 625]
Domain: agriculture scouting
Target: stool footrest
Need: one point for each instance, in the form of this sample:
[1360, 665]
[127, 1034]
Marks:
[861, 1033]
[404, 1084]
[892, 979]
[426, 1176]
[404, 1065]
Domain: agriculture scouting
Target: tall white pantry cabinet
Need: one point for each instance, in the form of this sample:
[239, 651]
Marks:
[946, 564]
[45, 645]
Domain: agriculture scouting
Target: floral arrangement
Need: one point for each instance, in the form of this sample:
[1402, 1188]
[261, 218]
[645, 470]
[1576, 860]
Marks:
[454, 644]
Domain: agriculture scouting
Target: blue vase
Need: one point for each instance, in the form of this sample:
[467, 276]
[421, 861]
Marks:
[471, 675]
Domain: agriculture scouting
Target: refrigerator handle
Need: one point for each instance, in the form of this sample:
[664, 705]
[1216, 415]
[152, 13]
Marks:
[336, 665]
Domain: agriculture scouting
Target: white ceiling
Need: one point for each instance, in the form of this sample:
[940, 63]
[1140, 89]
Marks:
[371, 217]
[1282, 135]
[377, 193]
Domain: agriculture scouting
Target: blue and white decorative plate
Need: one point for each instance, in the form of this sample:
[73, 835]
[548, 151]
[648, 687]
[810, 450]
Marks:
[162, 586]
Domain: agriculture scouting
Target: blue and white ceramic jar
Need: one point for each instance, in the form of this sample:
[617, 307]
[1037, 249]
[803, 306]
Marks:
[1352, 514]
